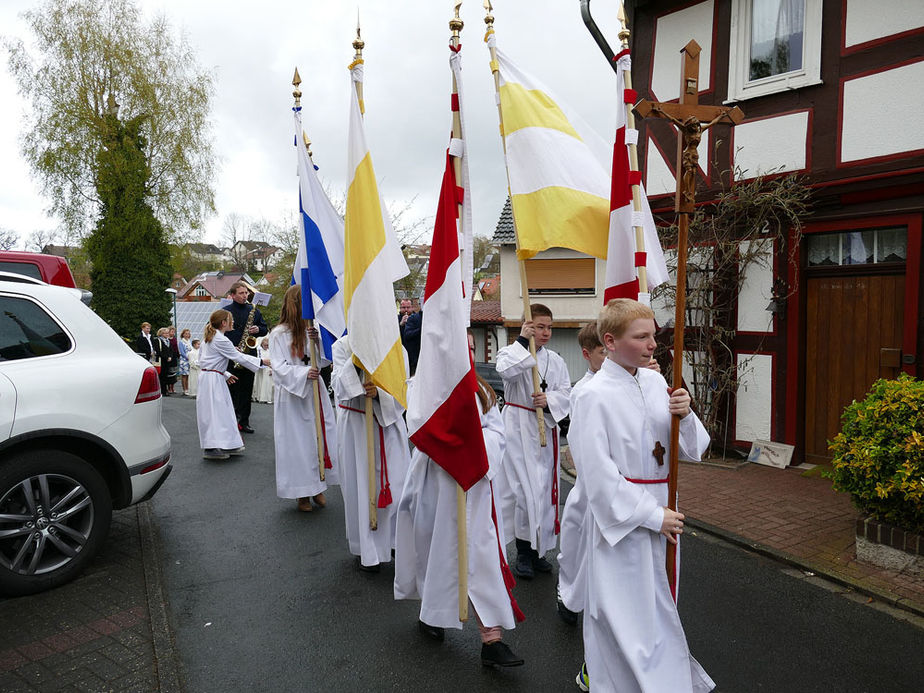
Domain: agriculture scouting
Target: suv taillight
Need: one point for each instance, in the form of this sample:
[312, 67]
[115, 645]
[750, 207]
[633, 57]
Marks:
[150, 386]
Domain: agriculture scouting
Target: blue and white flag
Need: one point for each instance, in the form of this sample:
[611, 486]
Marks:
[319, 262]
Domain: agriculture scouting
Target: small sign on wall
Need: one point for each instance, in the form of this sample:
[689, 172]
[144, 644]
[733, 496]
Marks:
[770, 454]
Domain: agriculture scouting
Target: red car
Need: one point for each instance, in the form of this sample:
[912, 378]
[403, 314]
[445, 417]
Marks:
[50, 269]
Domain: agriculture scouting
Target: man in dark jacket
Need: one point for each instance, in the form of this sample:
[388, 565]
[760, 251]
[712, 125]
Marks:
[242, 390]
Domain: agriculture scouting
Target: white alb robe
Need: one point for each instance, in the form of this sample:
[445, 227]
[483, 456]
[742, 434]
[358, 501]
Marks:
[571, 582]
[214, 410]
[263, 382]
[426, 545]
[294, 427]
[193, 356]
[530, 470]
[633, 639]
[372, 547]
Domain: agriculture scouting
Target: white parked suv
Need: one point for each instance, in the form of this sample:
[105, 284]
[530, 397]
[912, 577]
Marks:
[80, 434]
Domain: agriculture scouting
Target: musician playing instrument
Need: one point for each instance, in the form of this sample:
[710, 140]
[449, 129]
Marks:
[248, 322]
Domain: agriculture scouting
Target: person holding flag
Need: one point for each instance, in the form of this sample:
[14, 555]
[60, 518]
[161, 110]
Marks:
[370, 365]
[449, 547]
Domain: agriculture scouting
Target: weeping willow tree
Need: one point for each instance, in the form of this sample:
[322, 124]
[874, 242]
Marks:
[87, 54]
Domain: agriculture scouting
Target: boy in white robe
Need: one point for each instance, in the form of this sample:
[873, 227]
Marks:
[193, 356]
[426, 546]
[633, 639]
[530, 488]
[391, 463]
[298, 474]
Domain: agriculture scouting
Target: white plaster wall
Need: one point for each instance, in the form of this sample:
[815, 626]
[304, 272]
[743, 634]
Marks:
[771, 144]
[868, 20]
[865, 132]
[672, 33]
[658, 177]
[755, 397]
[756, 292]
[564, 308]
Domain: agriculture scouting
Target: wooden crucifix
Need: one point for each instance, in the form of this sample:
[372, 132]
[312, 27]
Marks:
[691, 120]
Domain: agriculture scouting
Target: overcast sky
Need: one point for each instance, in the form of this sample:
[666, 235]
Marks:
[253, 49]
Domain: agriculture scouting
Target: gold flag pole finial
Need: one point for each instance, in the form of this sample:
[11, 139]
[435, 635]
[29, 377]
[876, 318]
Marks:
[488, 17]
[296, 81]
[307, 143]
[456, 23]
[624, 32]
[358, 44]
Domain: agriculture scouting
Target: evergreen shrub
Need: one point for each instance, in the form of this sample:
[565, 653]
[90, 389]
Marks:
[879, 453]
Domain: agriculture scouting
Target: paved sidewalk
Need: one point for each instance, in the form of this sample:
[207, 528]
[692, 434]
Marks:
[105, 631]
[793, 518]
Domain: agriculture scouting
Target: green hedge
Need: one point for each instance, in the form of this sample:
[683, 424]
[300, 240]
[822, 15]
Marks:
[879, 453]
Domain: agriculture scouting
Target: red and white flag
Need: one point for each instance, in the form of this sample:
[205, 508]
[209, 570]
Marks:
[443, 419]
[622, 255]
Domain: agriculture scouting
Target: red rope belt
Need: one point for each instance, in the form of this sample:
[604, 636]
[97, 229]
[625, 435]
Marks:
[554, 465]
[509, 582]
[385, 498]
[647, 481]
[212, 370]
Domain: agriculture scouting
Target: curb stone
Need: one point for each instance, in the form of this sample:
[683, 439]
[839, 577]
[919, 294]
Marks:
[804, 564]
[165, 656]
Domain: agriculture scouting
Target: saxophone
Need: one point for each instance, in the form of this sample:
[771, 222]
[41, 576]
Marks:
[248, 341]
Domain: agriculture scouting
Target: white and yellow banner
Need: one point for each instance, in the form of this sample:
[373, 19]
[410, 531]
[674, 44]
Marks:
[372, 263]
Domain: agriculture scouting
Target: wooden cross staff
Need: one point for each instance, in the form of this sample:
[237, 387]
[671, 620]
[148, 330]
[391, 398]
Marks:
[692, 120]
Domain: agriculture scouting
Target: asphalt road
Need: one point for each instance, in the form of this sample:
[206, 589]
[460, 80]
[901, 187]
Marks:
[263, 597]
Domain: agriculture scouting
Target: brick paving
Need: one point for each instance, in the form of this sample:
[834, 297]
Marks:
[93, 634]
[795, 518]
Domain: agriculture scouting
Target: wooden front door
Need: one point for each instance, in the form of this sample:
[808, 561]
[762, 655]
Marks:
[853, 337]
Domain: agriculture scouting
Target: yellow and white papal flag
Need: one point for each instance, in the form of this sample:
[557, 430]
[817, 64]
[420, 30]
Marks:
[556, 166]
[372, 263]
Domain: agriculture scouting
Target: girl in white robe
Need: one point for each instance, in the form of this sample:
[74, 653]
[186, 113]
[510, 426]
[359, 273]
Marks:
[633, 639]
[193, 356]
[298, 473]
[426, 552]
[219, 436]
[372, 547]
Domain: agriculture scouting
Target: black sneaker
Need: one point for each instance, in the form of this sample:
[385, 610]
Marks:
[567, 615]
[523, 567]
[497, 654]
[234, 451]
[434, 632]
[215, 454]
[541, 565]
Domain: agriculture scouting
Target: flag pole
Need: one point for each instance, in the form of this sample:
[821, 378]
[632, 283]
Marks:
[319, 435]
[524, 285]
[455, 25]
[641, 269]
[358, 45]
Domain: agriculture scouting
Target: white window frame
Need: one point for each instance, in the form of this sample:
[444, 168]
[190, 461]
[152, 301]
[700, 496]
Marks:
[740, 87]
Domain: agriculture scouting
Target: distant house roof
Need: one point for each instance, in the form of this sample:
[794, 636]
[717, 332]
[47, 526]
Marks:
[216, 283]
[490, 286]
[486, 312]
[504, 233]
[204, 248]
[64, 251]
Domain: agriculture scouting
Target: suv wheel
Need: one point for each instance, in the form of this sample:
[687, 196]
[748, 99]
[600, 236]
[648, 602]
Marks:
[55, 511]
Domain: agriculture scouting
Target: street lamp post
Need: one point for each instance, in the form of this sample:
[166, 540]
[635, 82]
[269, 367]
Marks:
[176, 319]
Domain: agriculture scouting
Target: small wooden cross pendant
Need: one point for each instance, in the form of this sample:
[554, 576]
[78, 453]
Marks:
[658, 452]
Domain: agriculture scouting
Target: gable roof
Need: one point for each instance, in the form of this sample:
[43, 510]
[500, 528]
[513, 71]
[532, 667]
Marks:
[486, 312]
[504, 233]
[216, 283]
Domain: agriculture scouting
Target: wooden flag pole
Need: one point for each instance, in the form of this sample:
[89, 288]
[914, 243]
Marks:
[524, 284]
[296, 81]
[358, 45]
[455, 25]
[691, 120]
[641, 270]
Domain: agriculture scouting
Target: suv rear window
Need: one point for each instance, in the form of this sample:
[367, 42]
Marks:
[26, 268]
[27, 331]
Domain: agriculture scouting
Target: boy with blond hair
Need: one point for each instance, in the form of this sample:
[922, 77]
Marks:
[531, 471]
[621, 421]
